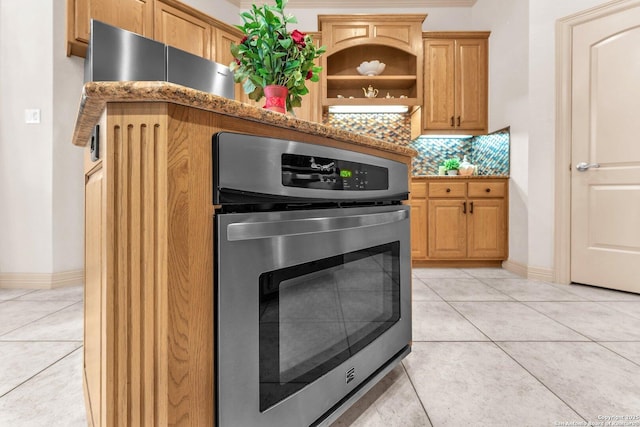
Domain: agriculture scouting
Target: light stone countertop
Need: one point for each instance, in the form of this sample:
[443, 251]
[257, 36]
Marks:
[95, 96]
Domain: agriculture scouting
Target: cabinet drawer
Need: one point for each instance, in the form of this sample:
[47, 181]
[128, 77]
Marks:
[447, 189]
[487, 189]
[418, 190]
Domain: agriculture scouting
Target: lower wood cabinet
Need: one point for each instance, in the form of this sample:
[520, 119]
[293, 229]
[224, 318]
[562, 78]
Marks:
[459, 219]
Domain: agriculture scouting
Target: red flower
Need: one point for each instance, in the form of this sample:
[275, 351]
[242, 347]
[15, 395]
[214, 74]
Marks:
[298, 38]
[309, 74]
[237, 61]
[244, 39]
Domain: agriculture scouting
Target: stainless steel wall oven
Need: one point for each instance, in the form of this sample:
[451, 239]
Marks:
[312, 265]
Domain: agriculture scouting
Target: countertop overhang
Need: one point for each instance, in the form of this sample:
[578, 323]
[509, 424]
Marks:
[95, 96]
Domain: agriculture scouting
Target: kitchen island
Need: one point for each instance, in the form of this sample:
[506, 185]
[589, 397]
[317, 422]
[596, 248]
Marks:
[149, 251]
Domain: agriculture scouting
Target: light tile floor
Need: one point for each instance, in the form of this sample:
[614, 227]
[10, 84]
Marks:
[490, 348]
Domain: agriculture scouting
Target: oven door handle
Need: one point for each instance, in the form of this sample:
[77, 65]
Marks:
[264, 230]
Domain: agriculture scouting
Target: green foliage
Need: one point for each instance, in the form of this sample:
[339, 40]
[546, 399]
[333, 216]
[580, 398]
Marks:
[452, 164]
[270, 55]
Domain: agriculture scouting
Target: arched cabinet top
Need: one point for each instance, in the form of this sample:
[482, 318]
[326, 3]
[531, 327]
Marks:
[403, 31]
[395, 39]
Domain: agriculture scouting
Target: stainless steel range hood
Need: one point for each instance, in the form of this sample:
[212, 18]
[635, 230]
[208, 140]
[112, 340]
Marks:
[115, 54]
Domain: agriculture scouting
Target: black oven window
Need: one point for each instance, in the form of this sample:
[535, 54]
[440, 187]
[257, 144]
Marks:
[314, 316]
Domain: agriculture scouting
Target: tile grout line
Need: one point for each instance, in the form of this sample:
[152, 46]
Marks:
[40, 371]
[600, 343]
[404, 368]
[39, 318]
[538, 379]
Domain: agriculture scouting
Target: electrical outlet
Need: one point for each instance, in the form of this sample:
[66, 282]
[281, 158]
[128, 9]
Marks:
[32, 115]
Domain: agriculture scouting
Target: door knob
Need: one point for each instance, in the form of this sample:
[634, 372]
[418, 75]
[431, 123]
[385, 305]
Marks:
[583, 166]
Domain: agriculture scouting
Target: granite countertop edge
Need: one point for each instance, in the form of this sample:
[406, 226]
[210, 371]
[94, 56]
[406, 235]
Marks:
[95, 96]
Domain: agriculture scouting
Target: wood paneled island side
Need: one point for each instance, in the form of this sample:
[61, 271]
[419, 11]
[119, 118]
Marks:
[149, 268]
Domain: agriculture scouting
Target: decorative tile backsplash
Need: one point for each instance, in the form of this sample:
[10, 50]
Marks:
[489, 152]
[390, 127]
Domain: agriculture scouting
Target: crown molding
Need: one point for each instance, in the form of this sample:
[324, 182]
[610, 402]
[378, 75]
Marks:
[366, 4]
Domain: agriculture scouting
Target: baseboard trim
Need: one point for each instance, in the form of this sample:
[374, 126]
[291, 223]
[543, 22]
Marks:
[41, 280]
[537, 273]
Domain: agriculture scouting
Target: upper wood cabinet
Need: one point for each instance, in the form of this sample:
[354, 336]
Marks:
[182, 30]
[456, 83]
[131, 15]
[395, 40]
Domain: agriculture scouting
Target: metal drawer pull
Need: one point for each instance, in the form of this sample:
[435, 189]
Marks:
[451, 120]
[471, 208]
[488, 190]
[458, 121]
[583, 166]
[448, 190]
[464, 207]
[262, 230]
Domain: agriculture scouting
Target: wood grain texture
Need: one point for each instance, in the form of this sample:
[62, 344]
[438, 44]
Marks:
[456, 83]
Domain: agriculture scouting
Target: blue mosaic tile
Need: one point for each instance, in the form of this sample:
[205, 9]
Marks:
[489, 152]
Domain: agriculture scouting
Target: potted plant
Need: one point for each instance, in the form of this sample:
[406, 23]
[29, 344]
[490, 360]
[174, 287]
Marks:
[452, 165]
[269, 55]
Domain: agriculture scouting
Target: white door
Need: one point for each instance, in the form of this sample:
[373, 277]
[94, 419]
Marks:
[605, 198]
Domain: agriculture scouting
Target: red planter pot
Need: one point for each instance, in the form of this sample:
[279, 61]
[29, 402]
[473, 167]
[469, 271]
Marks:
[276, 98]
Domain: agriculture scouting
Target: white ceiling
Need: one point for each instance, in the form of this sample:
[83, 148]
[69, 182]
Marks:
[365, 4]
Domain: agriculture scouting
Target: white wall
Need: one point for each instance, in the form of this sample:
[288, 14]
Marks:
[26, 164]
[508, 103]
[68, 175]
[220, 9]
[543, 15]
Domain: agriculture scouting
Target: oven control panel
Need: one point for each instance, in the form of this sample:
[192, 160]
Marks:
[331, 174]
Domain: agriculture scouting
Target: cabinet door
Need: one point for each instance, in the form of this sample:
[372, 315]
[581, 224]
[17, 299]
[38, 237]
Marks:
[131, 15]
[182, 30]
[418, 228]
[487, 228]
[447, 229]
[471, 84]
[95, 297]
[439, 65]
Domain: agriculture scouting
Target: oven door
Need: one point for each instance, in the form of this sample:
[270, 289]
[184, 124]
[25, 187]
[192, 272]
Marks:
[309, 305]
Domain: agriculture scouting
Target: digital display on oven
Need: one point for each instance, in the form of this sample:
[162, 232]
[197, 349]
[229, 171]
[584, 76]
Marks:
[332, 174]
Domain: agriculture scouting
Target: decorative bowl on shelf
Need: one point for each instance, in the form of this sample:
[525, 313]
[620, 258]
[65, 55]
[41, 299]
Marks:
[371, 68]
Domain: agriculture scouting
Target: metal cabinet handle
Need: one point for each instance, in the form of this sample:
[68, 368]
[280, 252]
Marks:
[488, 190]
[458, 121]
[583, 166]
[464, 207]
[448, 190]
[451, 121]
[471, 207]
